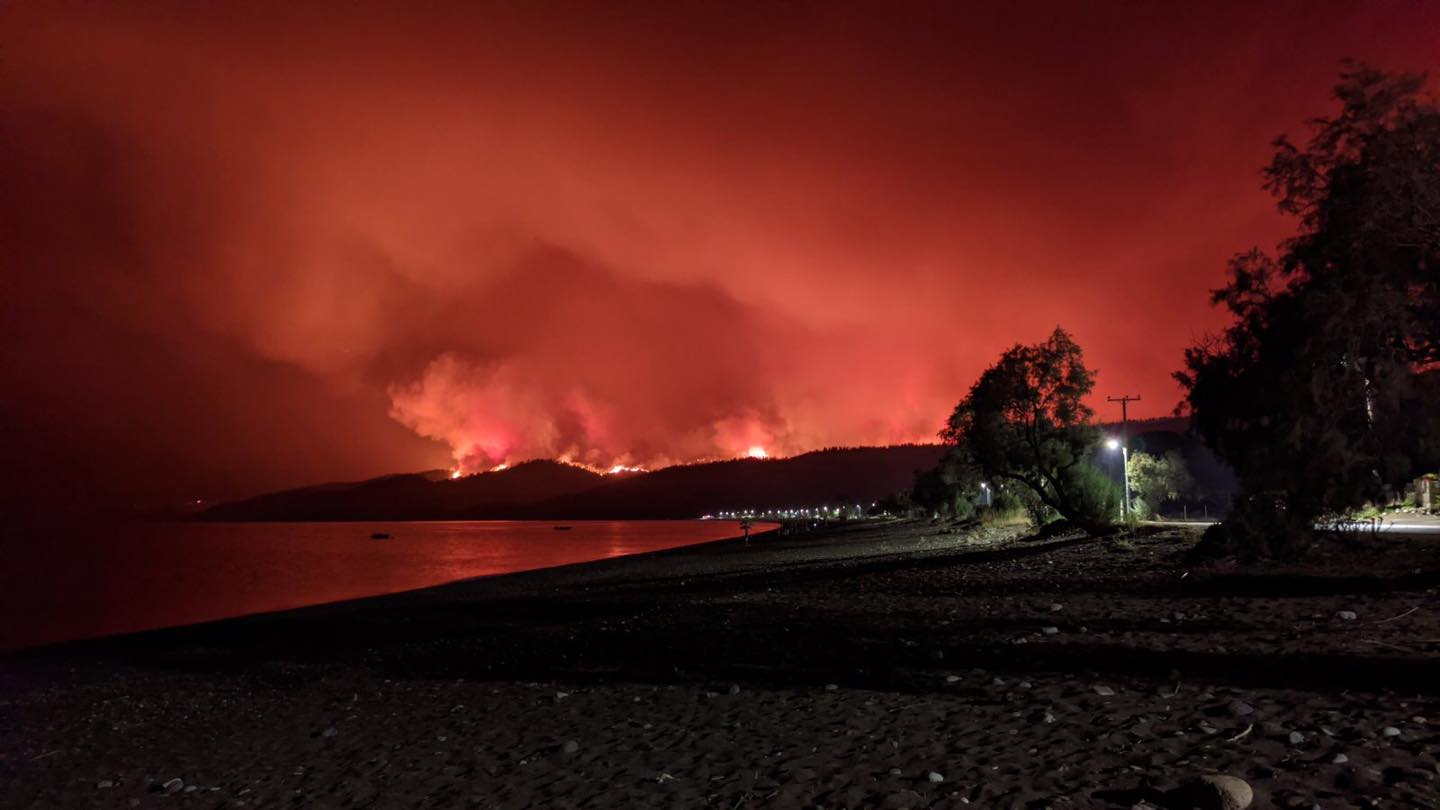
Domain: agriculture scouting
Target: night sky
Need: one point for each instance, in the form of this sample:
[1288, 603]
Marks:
[248, 246]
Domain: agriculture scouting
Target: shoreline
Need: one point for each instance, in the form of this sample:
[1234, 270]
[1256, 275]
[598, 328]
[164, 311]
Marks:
[347, 602]
[835, 669]
[628, 570]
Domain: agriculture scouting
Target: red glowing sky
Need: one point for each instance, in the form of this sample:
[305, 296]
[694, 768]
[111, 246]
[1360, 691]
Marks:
[249, 246]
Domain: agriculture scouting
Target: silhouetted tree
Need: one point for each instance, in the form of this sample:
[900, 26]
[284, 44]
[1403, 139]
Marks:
[1025, 421]
[1322, 394]
[898, 503]
[948, 489]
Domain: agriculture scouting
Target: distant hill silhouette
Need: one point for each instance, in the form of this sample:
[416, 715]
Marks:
[851, 475]
[550, 490]
[1179, 425]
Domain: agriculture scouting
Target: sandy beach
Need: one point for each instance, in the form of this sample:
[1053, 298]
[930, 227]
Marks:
[883, 665]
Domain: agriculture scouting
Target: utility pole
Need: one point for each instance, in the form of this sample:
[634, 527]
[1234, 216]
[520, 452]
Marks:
[1125, 445]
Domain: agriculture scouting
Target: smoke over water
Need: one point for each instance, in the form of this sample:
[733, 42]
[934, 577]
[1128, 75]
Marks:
[259, 245]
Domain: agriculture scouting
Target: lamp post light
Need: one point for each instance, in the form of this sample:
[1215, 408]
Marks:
[1115, 444]
[984, 494]
[1125, 443]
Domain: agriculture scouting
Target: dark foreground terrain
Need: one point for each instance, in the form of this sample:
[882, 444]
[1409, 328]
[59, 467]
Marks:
[901, 665]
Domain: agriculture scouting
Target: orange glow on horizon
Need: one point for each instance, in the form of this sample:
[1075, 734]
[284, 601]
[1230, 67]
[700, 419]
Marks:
[756, 451]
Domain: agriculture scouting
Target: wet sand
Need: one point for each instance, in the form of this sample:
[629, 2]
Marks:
[897, 665]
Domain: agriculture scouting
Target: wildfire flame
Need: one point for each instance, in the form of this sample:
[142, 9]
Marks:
[617, 468]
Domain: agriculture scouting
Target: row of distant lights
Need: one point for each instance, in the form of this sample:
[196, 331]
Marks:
[816, 512]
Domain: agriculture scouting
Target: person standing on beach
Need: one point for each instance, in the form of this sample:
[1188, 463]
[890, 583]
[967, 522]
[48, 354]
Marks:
[745, 524]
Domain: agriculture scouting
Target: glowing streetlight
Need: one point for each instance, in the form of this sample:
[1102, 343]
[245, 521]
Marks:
[1125, 443]
[1114, 444]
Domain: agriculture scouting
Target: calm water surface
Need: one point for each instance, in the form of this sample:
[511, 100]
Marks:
[75, 583]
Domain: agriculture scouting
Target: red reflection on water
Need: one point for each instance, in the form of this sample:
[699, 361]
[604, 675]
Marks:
[81, 583]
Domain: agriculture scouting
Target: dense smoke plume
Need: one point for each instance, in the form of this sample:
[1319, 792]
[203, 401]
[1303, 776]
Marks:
[251, 245]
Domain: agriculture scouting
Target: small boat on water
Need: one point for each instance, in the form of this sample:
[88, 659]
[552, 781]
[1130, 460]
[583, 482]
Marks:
[379, 535]
[562, 528]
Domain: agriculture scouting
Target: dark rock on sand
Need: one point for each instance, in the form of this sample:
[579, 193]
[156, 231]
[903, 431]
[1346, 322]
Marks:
[1212, 792]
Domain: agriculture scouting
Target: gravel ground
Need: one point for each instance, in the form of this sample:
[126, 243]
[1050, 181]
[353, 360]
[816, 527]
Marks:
[892, 665]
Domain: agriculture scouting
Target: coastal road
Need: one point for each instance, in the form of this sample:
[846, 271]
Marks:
[1411, 524]
[1407, 526]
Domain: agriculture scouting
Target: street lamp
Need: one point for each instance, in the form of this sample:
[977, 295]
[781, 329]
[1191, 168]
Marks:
[985, 493]
[1124, 443]
[1114, 444]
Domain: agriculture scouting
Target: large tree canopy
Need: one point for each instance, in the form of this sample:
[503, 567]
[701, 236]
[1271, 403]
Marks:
[1322, 394]
[1025, 420]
